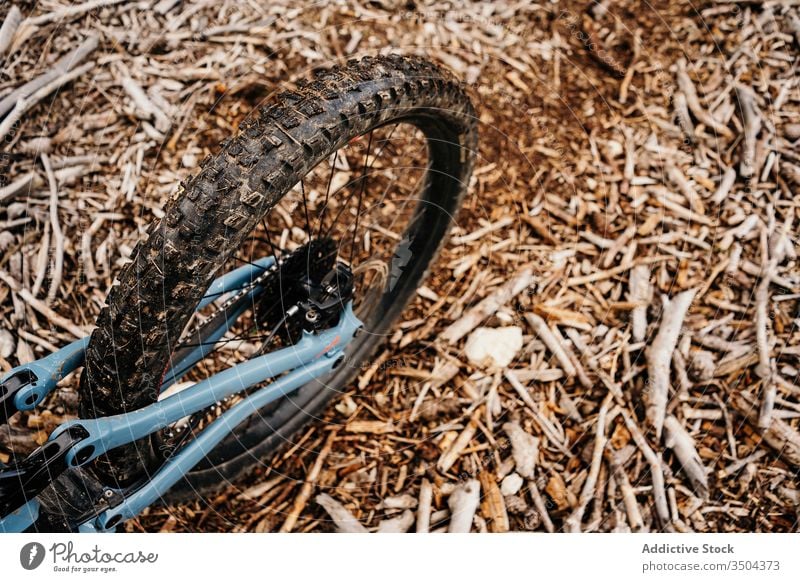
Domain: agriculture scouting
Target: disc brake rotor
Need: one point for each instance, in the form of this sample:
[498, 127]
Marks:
[305, 290]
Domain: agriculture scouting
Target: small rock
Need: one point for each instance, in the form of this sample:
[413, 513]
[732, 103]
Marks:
[614, 149]
[511, 484]
[524, 449]
[346, 406]
[6, 240]
[702, 365]
[515, 505]
[493, 347]
[189, 161]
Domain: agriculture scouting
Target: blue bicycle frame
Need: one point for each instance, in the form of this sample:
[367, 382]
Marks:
[313, 356]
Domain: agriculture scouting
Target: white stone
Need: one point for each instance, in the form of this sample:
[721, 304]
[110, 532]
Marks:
[511, 485]
[493, 347]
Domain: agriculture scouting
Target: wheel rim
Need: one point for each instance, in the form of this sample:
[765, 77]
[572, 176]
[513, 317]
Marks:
[317, 203]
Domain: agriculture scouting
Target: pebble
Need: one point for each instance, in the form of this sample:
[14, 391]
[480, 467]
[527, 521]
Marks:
[511, 485]
[493, 347]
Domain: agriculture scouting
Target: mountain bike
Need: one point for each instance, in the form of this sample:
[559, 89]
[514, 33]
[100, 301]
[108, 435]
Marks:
[272, 277]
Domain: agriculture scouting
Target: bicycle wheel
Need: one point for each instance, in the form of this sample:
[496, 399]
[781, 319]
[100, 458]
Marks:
[365, 166]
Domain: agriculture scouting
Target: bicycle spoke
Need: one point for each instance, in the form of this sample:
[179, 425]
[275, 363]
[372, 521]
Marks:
[269, 240]
[251, 263]
[361, 196]
[305, 209]
[328, 195]
[327, 191]
[379, 178]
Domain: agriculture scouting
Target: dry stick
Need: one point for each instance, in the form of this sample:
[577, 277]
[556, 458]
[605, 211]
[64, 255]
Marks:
[544, 333]
[641, 293]
[42, 308]
[575, 519]
[715, 272]
[463, 503]
[631, 68]
[424, 507]
[755, 270]
[766, 365]
[693, 101]
[794, 26]
[26, 103]
[400, 524]
[618, 245]
[738, 465]
[186, 118]
[632, 510]
[739, 231]
[540, 228]
[686, 188]
[780, 435]
[614, 271]
[41, 260]
[71, 11]
[9, 28]
[165, 6]
[482, 232]
[656, 471]
[59, 69]
[682, 212]
[751, 121]
[86, 250]
[596, 518]
[308, 485]
[684, 383]
[581, 346]
[725, 185]
[31, 179]
[728, 426]
[659, 356]
[580, 371]
[685, 449]
[488, 306]
[541, 506]
[629, 169]
[442, 373]
[543, 423]
[344, 520]
[450, 456]
[144, 105]
[492, 505]
[58, 235]
[684, 118]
